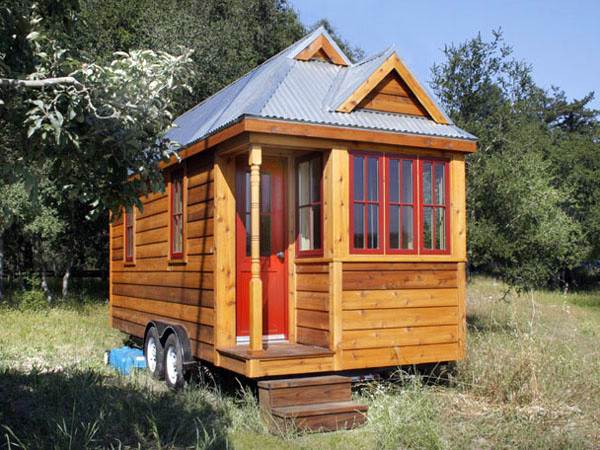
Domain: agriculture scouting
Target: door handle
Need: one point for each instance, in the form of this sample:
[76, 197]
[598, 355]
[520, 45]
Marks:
[280, 255]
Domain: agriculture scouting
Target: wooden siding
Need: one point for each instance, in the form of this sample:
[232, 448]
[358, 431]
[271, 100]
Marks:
[393, 95]
[400, 313]
[154, 288]
[312, 304]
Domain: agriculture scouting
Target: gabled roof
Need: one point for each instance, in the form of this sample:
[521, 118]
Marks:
[292, 87]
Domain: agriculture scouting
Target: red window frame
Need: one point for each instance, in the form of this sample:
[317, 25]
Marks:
[414, 204]
[177, 176]
[379, 202]
[314, 252]
[129, 240]
[446, 206]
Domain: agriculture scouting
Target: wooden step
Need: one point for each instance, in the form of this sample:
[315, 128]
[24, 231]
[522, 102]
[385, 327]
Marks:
[329, 416]
[304, 391]
[322, 403]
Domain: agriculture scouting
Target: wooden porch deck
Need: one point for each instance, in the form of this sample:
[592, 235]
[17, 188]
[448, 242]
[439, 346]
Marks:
[279, 358]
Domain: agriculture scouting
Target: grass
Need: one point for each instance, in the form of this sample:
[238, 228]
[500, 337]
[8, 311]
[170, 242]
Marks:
[531, 379]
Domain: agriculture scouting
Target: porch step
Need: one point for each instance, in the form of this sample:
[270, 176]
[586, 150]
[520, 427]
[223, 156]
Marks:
[322, 403]
[329, 416]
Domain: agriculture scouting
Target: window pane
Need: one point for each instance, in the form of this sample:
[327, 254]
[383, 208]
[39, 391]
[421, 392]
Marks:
[440, 229]
[359, 226]
[265, 192]
[316, 218]
[304, 229]
[373, 228]
[303, 183]
[407, 228]
[175, 237]
[394, 227]
[373, 179]
[394, 182]
[427, 195]
[428, 228]
[265, 235]
[359, 178]
[315, 179]
[407, 181]
[440, 184]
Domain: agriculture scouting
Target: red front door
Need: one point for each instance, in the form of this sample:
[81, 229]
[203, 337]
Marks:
[273, 252]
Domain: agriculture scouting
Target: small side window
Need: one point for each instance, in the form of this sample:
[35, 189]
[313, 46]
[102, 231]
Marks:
[177, 214]
[129, 234]
[310, 206]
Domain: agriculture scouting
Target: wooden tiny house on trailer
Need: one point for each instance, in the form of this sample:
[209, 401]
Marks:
[315, 223]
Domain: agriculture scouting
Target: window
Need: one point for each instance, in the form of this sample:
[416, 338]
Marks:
[309, 201]
[129, 234]
[416, 204]
[434, 203]
[366, 203]
[266, 214]
[401, 205]
[177, 211]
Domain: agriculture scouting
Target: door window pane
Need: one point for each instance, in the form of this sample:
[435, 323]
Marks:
[265, 235]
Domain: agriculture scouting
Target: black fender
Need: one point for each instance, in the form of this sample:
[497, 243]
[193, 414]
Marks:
[165, 329]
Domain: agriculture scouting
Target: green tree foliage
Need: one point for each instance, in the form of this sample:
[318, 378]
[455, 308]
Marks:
[531, 207]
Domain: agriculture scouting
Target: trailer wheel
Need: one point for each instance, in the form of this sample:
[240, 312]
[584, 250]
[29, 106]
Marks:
[154, 353]
[173, 363]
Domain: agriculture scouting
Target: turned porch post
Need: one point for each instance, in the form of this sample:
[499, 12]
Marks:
[255, 322]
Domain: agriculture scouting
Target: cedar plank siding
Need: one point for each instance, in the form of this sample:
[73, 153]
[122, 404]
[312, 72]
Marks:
[399, 313]
[312, 304]
[154, 289]
[392, 95]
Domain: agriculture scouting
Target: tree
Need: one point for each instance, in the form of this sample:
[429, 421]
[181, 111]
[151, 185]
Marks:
[521, 227]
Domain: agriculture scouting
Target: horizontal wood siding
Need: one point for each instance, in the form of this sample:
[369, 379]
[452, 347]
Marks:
[312, 304]
[399, 313]
[153, 288]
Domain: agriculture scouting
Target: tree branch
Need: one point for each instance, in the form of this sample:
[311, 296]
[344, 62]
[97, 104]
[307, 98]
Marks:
[38, 84]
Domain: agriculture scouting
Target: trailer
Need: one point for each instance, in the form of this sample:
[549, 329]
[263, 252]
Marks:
[314, 223]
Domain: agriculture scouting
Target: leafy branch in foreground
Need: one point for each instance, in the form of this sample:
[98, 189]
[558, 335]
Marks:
[98, 124]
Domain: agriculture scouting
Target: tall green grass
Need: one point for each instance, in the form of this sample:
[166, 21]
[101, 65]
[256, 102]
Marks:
[531, 379]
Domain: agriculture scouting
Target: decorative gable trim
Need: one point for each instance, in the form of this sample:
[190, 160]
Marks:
[390, 65]
[321, 49]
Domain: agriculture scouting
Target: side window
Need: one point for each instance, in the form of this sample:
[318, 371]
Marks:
[366, 174]
[310, 206]
[177, 214]
[434, 206]
[129, 234]
[401, 205]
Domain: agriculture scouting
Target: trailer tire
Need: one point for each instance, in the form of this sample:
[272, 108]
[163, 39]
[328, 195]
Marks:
[173, 363]
[154, 353]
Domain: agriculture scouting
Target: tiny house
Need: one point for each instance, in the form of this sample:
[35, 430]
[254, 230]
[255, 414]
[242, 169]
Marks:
[314, 222]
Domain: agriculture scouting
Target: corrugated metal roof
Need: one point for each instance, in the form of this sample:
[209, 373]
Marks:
[302, 91]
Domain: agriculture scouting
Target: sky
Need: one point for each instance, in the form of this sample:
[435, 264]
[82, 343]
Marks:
[560, 39]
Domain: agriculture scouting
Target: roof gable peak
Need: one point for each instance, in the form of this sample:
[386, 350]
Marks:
[319, 45]
[392, 68]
